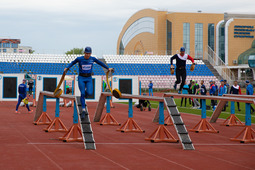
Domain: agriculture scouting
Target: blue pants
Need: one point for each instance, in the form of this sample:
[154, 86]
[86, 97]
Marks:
[21, 97]
[150, 92]
[86, 88]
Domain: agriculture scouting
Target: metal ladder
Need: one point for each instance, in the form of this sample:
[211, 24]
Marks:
[178, 124]
[86, 129]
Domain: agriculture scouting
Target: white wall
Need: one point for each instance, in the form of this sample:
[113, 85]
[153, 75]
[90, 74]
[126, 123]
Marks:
[20, 77]
[39, 83]
[135, 86]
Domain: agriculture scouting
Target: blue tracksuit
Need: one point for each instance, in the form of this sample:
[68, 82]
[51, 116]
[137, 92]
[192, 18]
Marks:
[249, 89]
[22, 89]
[222, 90]
[185, 89]
[85, 83]
[150, 89]
[212, 89]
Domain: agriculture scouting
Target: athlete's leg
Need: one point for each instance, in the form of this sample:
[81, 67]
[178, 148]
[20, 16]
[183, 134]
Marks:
[89, 86]
[19, 101]
[183, 75]
[81, 84]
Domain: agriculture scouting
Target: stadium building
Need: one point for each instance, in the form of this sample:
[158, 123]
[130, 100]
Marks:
[226, 41]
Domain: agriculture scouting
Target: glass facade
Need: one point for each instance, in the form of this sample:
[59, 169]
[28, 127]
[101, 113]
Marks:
[6, 45]
[145, 24]
[186, 37]
[14, 45]
[15, 50]
[222, 42]
[211, 36]
[4, 50]
[199, 40]
[169, 37]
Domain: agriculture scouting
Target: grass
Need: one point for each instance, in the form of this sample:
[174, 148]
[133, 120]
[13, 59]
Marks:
[223, 115]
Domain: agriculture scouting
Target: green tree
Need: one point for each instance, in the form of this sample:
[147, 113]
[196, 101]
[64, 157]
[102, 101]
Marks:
[75, 51]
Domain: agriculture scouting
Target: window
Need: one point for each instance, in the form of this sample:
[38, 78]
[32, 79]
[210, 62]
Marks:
[14, 45]
[145, 24]
[222, 42]
[186, 37]
[4, 50]
[6, 45]
[199, 40]
[211, 36]
[169, 37]
[0, 50]
[0, 45]
[14, 50]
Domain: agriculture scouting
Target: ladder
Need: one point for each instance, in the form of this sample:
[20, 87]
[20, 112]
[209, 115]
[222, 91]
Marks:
[178, 124]
[86, 129]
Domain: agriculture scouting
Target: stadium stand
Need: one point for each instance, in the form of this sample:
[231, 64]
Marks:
[147, 67]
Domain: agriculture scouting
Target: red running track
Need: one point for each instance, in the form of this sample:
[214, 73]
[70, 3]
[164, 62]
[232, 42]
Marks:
[24, 145]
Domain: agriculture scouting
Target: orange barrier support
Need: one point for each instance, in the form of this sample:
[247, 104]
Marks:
[56, 126]
[161, 134]
[168, 121]
[44, 119]
[232, 120]
[108, 119]
[130, 126]
[248, 137]
[74, 134]
[204, 126]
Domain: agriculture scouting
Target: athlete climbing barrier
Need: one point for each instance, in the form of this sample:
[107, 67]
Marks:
[161, 134]
[75, 133]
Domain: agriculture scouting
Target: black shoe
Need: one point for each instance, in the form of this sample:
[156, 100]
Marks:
[175, 85]
[239, 110]
[83, 115]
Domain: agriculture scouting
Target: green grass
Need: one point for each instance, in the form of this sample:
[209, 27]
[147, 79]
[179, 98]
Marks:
[223, 115]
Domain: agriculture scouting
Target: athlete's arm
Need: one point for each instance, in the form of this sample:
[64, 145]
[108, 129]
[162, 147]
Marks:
[190, 58]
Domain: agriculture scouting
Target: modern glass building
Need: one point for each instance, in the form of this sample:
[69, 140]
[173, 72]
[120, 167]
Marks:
[163, 33]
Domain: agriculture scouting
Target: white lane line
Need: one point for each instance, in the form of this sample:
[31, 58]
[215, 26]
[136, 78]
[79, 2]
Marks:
[197, 144]
[165, 159]
[110, 160]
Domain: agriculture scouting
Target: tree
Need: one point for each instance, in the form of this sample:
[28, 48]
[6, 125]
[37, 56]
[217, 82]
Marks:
[75, 51]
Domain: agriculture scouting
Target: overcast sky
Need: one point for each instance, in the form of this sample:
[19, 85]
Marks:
[56, 26]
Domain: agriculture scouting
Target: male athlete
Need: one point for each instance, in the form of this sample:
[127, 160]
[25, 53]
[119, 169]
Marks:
[84, 79]
[180, 67]
[22, 89]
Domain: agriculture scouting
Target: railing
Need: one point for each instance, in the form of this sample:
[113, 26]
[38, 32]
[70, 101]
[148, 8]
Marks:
[219, 65]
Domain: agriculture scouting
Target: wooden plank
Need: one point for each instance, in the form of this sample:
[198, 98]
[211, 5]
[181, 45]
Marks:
[235, 99]
[217, 111]
[100, 106]
[39, 107]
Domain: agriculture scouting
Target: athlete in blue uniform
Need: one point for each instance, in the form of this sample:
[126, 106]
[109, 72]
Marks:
[22, 89]
[84, 79]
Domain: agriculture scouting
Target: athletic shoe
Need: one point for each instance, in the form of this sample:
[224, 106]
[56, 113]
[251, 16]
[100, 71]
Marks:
[175, 85]
[31, 111]
[17, 112]
[239, 110]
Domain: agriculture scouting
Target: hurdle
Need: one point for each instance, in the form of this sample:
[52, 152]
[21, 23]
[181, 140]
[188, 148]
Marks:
[44, 118]
[75, 131]
[161, 134]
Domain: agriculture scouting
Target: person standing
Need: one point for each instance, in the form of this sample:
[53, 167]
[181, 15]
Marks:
[235, 89]
[180, 67]
[195, 88]
[30, 86]
[249, 91]
[84, 79]
[203, 91]
[190, 90]
[222, 90]
[212, 93]
[216, 91]
[228, 88]
[185, 90]
[150, 88]
[22, 89]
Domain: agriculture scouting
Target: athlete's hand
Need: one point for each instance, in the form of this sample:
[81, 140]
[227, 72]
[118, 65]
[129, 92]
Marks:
[172, 66]
[111, 69]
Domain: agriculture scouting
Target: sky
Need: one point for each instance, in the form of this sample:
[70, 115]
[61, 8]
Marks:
[56, 26]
